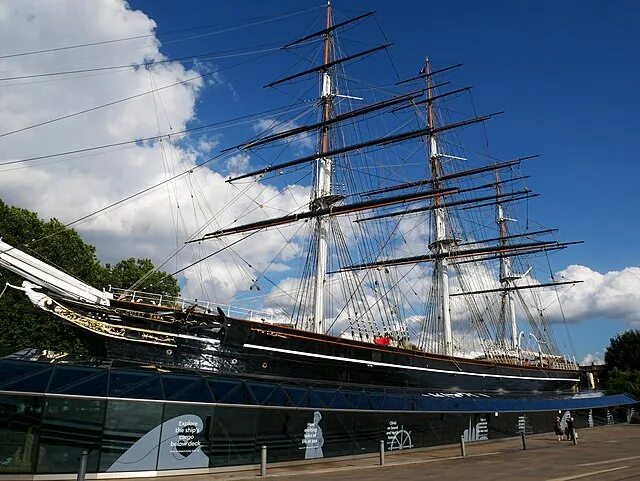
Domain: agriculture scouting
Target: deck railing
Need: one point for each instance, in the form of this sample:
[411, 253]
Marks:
[207, 307]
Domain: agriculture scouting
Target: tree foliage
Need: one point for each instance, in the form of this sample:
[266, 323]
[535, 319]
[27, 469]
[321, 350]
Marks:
[142, 274]
[21, 324]
[623, 352]
[624, 382]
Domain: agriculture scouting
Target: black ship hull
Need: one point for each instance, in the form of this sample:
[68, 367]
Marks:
[217, 343]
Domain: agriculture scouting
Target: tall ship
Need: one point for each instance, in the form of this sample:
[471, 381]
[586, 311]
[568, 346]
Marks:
[411, 268]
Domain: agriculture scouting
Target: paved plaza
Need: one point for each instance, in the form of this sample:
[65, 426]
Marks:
[609, 453]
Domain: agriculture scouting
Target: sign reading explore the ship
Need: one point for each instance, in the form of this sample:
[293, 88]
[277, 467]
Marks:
[185, 442]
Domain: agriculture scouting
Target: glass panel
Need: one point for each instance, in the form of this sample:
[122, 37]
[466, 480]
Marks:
[443, 428]
[197, 392]
[479, 427]
[19, 430]
[136, 385]
[274, 431]
[412, 424]
[25, 376]
[85, 381]
[131, 436]
[338, 433]
[69, 426]
[185, 437]
[173, 385]
[303, 440]
[233, 434]
[367, 433]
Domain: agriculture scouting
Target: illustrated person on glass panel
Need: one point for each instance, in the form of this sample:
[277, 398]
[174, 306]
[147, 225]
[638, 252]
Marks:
[313, 438]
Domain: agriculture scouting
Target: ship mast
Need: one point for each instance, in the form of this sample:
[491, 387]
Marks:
[506, 276]
[322, 187]
[440, 244]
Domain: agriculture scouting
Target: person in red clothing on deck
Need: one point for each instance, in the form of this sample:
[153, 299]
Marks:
[381, 340]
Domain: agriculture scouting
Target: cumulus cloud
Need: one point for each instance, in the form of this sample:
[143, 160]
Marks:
[615, 294]
[595, 357]
[156, 224]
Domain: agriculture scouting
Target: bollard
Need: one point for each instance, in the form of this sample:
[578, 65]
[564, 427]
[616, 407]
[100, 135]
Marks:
[463, 450]
[573, 437]
[263, 461]
[382, 452]
[82, 469]
[524, 443]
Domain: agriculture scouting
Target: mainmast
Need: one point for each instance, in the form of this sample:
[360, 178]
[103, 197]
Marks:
[440, 244]
[322, 187]
[507, 278]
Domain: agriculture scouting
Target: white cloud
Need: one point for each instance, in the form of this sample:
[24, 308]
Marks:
[157, 223]
[596, 358]
[613, 295]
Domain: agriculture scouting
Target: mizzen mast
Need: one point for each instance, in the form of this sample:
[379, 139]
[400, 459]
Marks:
[322, 188]
[441, 243]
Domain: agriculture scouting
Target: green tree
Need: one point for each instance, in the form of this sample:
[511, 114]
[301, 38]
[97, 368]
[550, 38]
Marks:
[23, 325]
[624, 382]
[141, 274]
[623, 352]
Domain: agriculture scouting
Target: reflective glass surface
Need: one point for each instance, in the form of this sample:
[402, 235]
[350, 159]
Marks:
[19, 429]
[69, 426]
[131, 436]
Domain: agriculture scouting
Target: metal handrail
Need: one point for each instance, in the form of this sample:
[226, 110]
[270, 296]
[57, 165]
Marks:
[176, 302]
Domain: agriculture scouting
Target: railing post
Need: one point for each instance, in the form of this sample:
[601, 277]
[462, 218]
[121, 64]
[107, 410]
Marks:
[524, 444]
[382, 452]
[263, 461]
[82, 469]
[463, 449]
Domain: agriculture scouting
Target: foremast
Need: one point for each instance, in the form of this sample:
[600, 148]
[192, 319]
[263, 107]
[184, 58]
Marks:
[441, 243]
[322, 188]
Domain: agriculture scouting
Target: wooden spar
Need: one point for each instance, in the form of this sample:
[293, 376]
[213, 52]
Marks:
[331, 210]
[328, 29]
[433, 207]
[512, 236]
[516, 288]
[425, 74]
[464, 173]
[390, 139]
[560, 246]
[453, 255]
[513, 199]
[324, 67]
[338, 118]
[435, 97]
[512, 254]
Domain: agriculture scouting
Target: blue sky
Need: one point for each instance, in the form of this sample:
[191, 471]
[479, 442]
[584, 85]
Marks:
[564, 72]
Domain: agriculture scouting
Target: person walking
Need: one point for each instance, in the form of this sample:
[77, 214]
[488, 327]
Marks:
[570, 428]
[558, 429]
